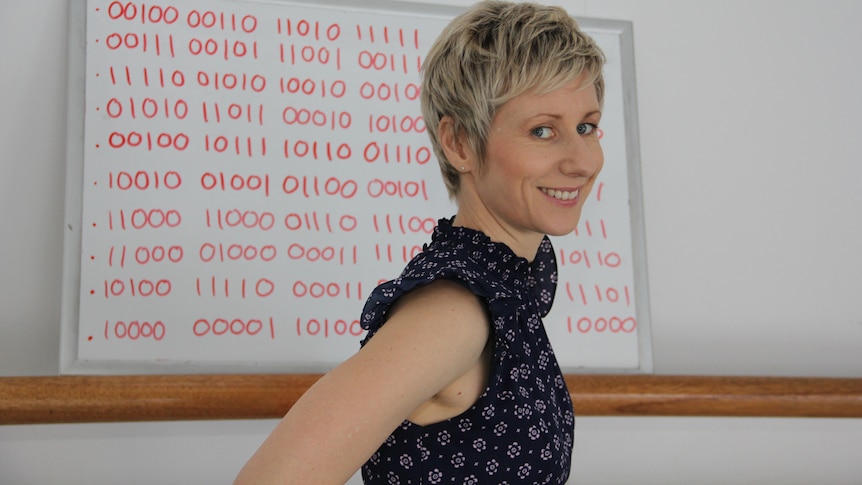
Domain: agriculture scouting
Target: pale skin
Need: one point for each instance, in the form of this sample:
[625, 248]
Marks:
[431, 360]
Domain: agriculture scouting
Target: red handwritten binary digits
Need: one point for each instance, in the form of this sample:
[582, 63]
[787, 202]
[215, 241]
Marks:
[144, 180]
[133, 42]
[613, 324]
[223, 48]
[607, 259]
[372, 34]
[334, 290]
[381, 61]
[326, 254]
[148, 108]
[317, 150]
[325, 327]
[153, 14]
[235, 182]
[231, 81]
[149, 141]
[395, 92]
[401, 224]
[234, 287]
[314, 186]
[149, 77]
[308, 187]
[141, 287]
[309, 29]
[223, 253]
[602, 294]
[222, 21]
[236, 327]
[401, 189]
[135, 330]
[386, 153]
[320, 222]
[241, 219]
[310, 87]
[334, 120]
[235, 145]
[214, 112]
[592, 228]
[599, 190]
[389, 252]
[169, 15]
[309, 55]
[144, 255]
[265, 221]
[138, 219]
[395, 124]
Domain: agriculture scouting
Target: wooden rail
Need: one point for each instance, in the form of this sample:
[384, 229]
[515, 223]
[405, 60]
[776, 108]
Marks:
[80, 399]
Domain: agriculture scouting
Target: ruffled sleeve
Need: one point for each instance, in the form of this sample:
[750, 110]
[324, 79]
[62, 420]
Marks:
[423, 270]
[504, 281]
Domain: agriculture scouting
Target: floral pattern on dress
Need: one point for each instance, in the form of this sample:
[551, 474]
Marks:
[520, 430]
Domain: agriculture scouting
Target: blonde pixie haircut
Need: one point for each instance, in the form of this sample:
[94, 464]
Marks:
[492, 53]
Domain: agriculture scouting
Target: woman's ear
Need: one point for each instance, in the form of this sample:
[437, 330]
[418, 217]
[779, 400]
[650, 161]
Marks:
[455, 146]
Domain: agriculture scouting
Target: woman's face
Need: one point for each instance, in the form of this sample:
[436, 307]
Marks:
[542, 159]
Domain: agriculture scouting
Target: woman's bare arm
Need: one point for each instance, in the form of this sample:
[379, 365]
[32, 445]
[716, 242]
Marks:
[433, 336]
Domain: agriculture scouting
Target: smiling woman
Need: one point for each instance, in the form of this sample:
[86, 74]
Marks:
[457, 380]
[543, 157]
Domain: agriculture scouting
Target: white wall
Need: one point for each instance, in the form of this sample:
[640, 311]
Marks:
[612, 451]
[749, 113]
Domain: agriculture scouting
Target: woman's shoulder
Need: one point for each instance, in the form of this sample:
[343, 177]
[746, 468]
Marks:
[429, 281]
[439, 295]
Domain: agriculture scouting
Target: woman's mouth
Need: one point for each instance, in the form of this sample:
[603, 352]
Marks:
[563, 195]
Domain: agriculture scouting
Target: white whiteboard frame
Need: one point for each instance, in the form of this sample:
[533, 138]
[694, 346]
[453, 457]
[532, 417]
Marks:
[624, 30]
[70, 306]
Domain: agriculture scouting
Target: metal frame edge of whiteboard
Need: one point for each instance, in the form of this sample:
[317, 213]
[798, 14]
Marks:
[596, 24]
[633, 155]
[176, 368]
[74, 179]
[636, 190]
[592, 371]
[624, 30]
[366, 5]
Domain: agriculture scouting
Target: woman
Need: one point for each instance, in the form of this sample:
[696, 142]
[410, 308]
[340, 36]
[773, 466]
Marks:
[456, 380]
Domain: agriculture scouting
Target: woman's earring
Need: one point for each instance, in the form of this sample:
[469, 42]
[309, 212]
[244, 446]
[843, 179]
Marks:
[463, 168]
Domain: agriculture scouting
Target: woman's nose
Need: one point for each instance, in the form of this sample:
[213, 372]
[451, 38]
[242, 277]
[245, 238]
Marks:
[583, 157]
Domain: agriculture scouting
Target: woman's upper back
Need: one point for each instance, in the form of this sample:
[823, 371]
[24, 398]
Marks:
[520, 430]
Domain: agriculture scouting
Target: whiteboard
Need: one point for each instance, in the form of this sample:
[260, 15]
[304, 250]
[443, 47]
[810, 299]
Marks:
[240, 176]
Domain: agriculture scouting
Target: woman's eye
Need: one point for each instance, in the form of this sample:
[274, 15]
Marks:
[542, 132]
[586, 128]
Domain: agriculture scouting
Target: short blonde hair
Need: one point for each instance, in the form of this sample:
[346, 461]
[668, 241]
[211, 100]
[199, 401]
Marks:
[492, 53]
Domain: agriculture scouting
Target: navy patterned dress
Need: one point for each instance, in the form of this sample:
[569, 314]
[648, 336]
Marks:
[520, 430]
